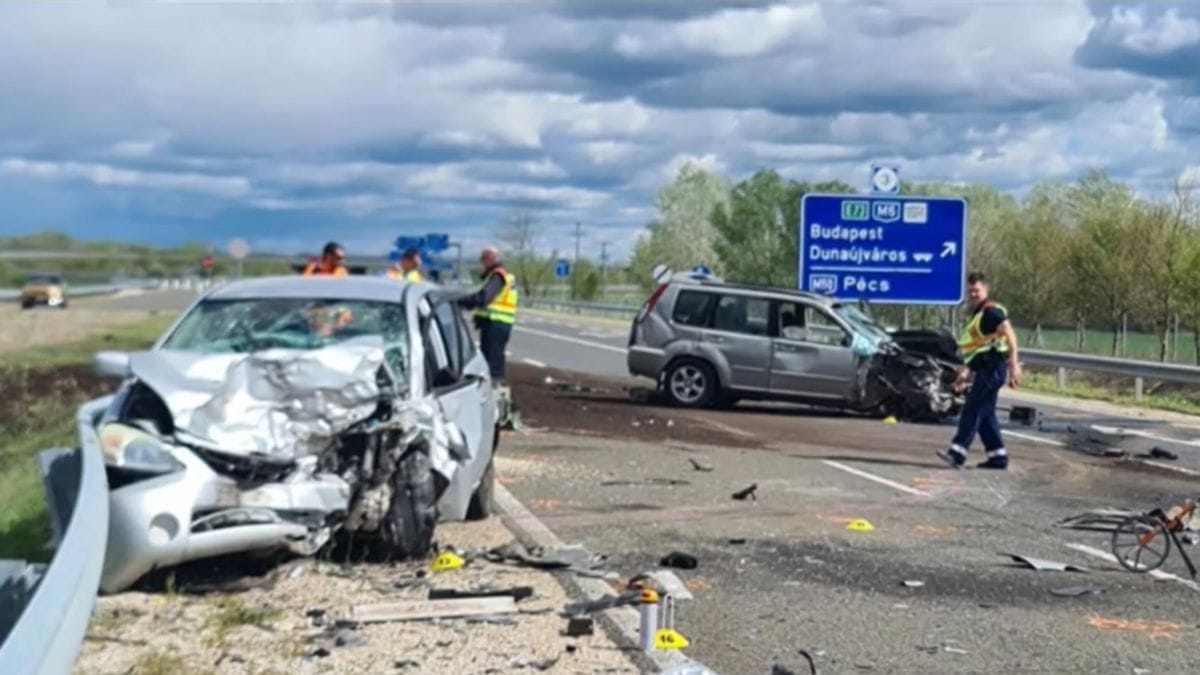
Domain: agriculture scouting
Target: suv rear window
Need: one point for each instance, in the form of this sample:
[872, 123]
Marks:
[692, 308]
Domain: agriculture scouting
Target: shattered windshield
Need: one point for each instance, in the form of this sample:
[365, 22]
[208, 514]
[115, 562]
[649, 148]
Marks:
[862, 323]
[240, 326]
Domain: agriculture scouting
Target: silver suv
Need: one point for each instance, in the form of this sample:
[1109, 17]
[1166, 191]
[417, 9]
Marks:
[707, 342]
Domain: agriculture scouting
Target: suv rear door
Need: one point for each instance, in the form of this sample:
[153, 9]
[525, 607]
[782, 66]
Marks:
[810, 353]
[739, 328]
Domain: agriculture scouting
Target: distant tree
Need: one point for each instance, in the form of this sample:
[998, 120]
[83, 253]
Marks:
[683, 235]
[1033, 277]
[520, 235]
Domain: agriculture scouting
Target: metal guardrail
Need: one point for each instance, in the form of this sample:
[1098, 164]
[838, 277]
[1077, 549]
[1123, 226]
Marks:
[1062, 361]
[47, 607]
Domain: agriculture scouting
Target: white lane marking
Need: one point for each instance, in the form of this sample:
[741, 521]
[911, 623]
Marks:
[534, 362]
[1105, 555]
[1035, 439]
[565, 338]
[726, 428]
[878, 479]
[1177, 469]
[1122, 431]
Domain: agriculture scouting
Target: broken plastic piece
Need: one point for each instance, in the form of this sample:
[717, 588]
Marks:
[580, 626]
[699, 467]
[741, 495]
[679, 560]
[1042, 565]
[1160, 453]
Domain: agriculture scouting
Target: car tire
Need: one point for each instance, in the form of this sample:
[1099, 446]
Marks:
[691, 383]
[413, 513]
[482, 505]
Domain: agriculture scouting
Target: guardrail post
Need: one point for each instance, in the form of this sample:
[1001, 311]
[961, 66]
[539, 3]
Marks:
[1062, 378]
[1139, 386]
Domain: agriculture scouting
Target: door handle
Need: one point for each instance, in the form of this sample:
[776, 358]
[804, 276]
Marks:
[791, 349]
[715, 338]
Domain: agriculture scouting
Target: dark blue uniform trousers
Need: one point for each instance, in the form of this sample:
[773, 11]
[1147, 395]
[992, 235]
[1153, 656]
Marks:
[979, 411]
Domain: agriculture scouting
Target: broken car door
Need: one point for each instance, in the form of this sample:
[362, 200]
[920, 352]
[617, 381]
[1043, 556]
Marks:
[739, 331]
[810, 353]
[459, 382]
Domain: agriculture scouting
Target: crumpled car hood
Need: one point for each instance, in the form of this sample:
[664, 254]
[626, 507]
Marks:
[281, 403]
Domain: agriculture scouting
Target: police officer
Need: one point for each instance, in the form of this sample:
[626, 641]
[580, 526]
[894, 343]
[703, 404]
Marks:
[989, 350]
[330, 264]
[495, 305]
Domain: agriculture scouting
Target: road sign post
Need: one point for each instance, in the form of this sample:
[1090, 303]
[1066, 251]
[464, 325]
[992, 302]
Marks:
[884, 249]
[238, 250]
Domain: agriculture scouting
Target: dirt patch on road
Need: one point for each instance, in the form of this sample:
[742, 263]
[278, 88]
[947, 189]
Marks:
[585, 404]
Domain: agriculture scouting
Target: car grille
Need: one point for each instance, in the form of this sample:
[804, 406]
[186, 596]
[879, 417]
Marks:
[245, 470]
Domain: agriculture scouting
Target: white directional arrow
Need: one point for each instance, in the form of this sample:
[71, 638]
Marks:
[949, 248]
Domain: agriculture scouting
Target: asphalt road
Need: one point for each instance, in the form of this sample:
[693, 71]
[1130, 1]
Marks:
[800, 579]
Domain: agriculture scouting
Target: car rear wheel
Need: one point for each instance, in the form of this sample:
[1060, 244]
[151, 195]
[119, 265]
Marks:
[413, 512]
[691, 383]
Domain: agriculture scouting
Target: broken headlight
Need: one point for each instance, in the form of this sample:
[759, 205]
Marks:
[126, 447]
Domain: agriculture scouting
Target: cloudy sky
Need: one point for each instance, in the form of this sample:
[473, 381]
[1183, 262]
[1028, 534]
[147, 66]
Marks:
[288, 124]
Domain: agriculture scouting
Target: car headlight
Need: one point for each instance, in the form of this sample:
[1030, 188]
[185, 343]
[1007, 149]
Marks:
[129, 448]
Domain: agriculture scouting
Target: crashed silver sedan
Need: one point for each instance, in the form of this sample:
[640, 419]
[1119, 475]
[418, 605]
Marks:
[278, 414]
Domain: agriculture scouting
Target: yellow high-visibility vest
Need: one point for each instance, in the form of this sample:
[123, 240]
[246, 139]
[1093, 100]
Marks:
[503, 309]
[973, 342]
[414, 276]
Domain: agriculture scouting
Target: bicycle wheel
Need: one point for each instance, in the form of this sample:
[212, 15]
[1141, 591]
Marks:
[1141, 543]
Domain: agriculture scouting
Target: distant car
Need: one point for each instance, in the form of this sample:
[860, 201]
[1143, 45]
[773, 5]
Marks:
[707, 342]
[44, 289]
[278, 413]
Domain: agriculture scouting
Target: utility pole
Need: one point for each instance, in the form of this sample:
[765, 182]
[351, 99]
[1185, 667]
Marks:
[603, 268]
[575, 265]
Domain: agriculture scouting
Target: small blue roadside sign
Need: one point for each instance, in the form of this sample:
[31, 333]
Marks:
[562, 269]
[887, 250]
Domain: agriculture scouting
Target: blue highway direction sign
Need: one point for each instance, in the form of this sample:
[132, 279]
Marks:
[884, 249]
[562, 269]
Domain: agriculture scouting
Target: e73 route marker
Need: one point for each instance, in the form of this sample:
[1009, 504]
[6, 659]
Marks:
[884, 249]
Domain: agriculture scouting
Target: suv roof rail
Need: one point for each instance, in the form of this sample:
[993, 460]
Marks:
[763, 288]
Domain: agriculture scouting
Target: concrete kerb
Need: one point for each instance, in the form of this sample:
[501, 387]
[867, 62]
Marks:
[620, 623]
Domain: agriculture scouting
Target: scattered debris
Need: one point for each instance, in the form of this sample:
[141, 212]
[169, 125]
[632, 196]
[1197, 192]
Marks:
[670, 423]
[663, 582]
[599, 605]
[517, 593]
[1023, 414]
[1076, 591]
[953, 650]
[416, 610]
[318, 617]
[345, 638]
[1042, 565]
[646, 481]
[913, 584]
[737, 541]
[579, 626]
[1190, 538]
[575, 557]
[700, 467]
[498, 620]
[1160, 453]
[741, 495]
[318, 653]
[679, 560]
[405, 664]
[526, 662]
[813, 561]
[571, 388]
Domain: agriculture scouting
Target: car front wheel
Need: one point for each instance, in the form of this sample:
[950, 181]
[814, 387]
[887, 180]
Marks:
[413, 513]
[691, 383]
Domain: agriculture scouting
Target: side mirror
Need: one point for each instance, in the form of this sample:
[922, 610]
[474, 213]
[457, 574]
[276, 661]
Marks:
[112, 364]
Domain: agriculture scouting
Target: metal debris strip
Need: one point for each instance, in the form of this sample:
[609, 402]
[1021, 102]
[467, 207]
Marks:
[626, 599]
[1042, 565]
[573, 558]
[1100, 520]
[653, 482]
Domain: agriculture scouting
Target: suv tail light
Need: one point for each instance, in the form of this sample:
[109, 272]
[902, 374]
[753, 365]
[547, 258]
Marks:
[651, 301]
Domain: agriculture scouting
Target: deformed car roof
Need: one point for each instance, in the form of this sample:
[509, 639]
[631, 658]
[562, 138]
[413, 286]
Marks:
[379, 289]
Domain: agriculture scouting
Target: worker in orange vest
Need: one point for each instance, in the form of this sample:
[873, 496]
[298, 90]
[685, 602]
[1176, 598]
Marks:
[330, 264]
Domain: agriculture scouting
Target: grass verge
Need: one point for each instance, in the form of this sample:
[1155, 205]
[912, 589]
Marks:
[42, 388]
[1046, 384]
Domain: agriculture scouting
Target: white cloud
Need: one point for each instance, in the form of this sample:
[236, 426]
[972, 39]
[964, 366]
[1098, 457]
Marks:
[107, 176]
[1164, 34]
[731, 33]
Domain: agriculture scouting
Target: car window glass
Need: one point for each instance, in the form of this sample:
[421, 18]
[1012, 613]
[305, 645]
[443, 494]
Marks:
[740, 314]
[465, 339]
[806, 323]
[448, 331]
[692, 308]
